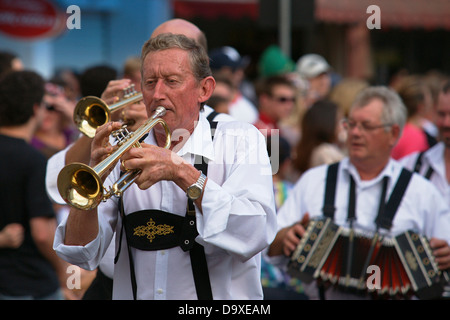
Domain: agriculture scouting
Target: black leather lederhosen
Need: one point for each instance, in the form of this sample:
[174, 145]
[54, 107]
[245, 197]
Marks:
[152, 230]
[386, 210]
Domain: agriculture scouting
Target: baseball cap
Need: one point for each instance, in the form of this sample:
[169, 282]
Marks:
[311, 65]
[227, 57]
[273, 61]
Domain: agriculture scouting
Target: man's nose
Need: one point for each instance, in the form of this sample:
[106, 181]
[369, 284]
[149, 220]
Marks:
[159, 91]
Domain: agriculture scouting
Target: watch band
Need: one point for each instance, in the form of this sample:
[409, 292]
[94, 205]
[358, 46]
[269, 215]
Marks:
[195, 190]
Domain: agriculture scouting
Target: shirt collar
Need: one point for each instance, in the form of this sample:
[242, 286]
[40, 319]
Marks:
[200, 141]
[389, 171]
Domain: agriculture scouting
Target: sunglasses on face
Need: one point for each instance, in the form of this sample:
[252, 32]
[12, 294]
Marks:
[282, 99]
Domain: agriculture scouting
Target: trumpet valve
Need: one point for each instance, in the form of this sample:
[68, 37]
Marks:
[129, 91]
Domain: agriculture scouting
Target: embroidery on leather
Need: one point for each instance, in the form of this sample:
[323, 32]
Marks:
[151, 230]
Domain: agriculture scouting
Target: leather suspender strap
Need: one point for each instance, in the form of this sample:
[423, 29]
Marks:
[330, 191]
[386, 211]
[385, 221]
[197, 252]
[418, 164]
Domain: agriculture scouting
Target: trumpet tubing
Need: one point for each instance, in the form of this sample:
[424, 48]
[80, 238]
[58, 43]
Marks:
[82, 187]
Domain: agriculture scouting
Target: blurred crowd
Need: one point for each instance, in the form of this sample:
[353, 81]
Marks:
[297, 105]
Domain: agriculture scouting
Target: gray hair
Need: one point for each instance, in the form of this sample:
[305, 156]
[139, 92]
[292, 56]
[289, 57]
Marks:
[198, 57]
[394, 111]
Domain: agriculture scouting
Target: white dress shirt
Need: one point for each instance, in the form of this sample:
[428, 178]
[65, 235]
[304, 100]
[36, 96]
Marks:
[422, 208]
[434, 158]
[57, 162]
[237, 223]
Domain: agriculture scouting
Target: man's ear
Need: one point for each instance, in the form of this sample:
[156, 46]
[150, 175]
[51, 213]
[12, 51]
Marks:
[207, 86]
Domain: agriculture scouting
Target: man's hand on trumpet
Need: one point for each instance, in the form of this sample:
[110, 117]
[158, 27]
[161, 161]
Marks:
[133, 115]
[157, 164]
[100, 147]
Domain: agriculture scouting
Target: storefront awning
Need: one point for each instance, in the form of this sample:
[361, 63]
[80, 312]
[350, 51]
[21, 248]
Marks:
[213, 9]
[427, 14]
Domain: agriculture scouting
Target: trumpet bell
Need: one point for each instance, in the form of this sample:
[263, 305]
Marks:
[80, 186]
[90, 113]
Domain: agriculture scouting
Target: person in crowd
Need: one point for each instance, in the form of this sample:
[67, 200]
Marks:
[276, 99]
[69, 79]
[10, 62]
[434, 80]
[30, 269]
[222, 95]
[417, 99]
[320, 129]
[176, 75]
[374, 125]
[133, 113]
[274, 61]
[434, 163]
[345, 92]
[316, 72]
[56, 130]
[227, 62]
[132, 71]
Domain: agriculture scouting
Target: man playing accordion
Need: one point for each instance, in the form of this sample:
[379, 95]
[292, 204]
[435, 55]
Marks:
[372, 197]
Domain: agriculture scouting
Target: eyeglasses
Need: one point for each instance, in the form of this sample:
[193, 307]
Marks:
[282, 99]
[363, 126]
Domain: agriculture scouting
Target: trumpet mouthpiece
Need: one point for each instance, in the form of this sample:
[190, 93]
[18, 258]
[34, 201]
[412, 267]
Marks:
[159, 112]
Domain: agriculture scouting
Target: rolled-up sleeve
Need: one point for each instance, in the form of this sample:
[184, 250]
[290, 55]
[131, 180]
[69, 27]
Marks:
[88, 256]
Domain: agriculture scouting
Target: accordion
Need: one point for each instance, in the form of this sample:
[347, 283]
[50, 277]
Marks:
[396, 267]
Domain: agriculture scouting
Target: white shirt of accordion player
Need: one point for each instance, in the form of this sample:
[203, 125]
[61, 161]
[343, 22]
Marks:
[422, 208]
[433, 157]
[237, 223]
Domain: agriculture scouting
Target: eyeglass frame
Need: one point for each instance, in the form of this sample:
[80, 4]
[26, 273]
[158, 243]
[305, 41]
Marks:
[364, 127]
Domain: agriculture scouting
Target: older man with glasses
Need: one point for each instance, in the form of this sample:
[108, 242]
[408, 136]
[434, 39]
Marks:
[358, 195]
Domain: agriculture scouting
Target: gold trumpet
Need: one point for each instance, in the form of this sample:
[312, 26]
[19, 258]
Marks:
[81, 186]
[92, 112]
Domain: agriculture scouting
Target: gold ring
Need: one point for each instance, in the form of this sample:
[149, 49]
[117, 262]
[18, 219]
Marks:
[124, 118]
[123, 164]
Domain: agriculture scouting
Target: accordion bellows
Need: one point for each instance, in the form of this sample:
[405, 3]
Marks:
[359, 262]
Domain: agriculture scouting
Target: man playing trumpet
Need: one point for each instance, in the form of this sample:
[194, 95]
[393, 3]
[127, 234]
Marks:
[231, 215]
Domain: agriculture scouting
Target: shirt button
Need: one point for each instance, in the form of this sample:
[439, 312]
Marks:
[160, 291]
[163, 252]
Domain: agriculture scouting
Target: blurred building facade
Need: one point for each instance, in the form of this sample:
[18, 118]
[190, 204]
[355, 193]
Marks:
[110, 31]
[413, 34]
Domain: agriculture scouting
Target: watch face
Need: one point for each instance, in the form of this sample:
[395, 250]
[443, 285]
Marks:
[194, 192]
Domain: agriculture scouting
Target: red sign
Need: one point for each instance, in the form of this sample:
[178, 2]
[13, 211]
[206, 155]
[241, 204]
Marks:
[30, 19]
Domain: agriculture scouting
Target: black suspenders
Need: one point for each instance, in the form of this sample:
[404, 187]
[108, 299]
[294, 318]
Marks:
[386, 210]
[189, 232]
[418, 165]
[197, 252]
